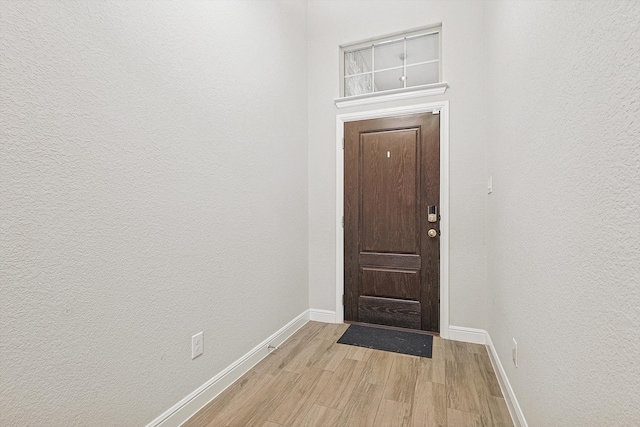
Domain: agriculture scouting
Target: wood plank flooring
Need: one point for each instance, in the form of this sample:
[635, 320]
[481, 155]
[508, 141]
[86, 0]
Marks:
[312, 381]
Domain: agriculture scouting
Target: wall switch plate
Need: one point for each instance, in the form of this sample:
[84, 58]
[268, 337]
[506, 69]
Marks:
[197, 345]
[490, 185]
[514, 353]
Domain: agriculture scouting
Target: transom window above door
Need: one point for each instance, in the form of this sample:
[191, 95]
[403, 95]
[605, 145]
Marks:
[395, 64]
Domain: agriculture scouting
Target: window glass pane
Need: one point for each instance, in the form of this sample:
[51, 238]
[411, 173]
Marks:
[389, 55]
[422, 74]
[423, 48]
[357, 85]
[357, 61]
[391, 79]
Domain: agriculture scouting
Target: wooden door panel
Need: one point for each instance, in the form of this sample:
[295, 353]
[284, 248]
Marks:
[390, 260]
[391, 265]
[401, 284]
[388, 175]
[389, 311]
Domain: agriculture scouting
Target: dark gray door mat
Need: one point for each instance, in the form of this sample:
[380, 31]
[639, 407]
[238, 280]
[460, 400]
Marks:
[388, 340]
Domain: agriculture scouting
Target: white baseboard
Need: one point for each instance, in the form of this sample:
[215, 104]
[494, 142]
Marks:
[325, 316]
[187, 407]
[472, 335]
[509, 396]
[480, 336]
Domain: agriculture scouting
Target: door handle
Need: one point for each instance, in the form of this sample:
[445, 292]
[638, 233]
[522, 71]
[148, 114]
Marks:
[433, 233]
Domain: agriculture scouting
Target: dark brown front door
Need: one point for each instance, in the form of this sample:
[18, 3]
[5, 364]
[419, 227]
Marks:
[391, 184]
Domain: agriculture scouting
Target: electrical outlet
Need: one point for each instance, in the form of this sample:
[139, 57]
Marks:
[197, 345]
[514, 353]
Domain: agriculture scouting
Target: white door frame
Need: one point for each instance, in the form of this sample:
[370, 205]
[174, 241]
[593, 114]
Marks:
[341, 119]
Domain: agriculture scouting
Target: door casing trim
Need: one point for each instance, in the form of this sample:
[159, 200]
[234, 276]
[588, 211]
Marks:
[341, 119]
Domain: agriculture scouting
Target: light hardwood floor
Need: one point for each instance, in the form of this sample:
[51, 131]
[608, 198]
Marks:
[312, 381]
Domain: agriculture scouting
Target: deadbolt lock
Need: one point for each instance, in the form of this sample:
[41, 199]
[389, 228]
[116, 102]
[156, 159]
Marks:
[432, 214]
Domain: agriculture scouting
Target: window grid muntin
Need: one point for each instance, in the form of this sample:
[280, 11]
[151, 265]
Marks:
[394, 68]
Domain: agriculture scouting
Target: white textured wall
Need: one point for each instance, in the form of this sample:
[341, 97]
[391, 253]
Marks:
[153, 167]
[333, 23]
[564, 218]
